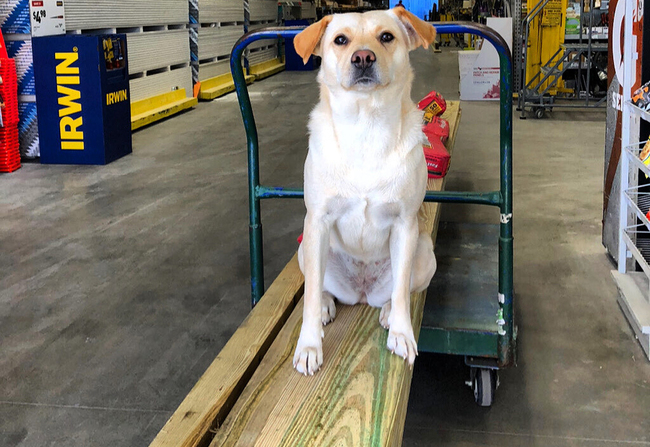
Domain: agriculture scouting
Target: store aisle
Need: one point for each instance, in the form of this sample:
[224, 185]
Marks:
[120, 284]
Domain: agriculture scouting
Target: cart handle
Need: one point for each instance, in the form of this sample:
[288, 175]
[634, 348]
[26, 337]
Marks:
[501, 198]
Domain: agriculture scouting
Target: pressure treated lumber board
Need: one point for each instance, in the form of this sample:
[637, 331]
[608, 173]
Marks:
[359, 396]
[250, 397]
[216, 391]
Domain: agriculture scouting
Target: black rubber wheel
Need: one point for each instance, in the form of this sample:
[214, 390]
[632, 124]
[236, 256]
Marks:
[539, 113]
[484, 385]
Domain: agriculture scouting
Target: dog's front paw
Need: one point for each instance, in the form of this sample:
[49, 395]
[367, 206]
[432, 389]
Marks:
[309, 353]
[403, 344]
[328, 308]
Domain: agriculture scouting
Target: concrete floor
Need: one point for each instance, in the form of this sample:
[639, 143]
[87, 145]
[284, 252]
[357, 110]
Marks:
[120, 284]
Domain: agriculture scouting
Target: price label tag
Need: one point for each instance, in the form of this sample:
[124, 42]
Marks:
[47, 17]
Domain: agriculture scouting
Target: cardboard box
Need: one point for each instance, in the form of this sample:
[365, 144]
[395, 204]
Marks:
[479, 70]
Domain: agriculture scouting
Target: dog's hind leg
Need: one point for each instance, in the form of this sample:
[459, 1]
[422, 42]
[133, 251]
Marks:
[384, 314]
[342, 278]
[424, 267]
[424, 264]
[328, 308]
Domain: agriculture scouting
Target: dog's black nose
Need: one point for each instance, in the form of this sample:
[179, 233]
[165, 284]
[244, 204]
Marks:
[363, 58]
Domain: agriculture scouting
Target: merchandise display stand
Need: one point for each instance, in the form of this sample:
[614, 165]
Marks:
[634, 228]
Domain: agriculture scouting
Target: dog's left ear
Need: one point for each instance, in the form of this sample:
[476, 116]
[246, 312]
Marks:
[420, 32]
[307, 41]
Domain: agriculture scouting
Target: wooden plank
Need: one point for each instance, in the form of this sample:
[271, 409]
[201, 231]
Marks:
[351, 352]
[358, 398]
[216, 391]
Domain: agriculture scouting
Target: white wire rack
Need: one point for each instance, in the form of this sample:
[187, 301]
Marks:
[634, 224]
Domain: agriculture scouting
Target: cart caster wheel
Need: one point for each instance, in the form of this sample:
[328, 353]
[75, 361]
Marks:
[539, 113]
[484, 384]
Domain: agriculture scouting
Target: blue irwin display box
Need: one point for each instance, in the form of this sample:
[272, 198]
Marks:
[83, 98]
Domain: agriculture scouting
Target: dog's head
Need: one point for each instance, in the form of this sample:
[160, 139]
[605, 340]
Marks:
[364, 51]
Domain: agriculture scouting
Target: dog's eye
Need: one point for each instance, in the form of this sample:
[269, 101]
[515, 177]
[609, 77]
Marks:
[341, 40]
[386, 37]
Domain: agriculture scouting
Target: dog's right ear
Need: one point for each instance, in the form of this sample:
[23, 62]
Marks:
[307, 41]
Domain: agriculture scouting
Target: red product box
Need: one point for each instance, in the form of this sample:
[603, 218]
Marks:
[433, 105]
[438, 129]
[437, 158]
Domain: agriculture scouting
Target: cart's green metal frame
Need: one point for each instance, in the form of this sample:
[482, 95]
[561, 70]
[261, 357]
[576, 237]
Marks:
[488, 350]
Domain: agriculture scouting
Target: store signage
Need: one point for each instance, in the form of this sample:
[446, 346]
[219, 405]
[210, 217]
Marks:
[70, 111]
[47, 17]
[115, 97]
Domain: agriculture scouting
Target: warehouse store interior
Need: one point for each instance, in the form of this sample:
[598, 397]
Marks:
[127, 264]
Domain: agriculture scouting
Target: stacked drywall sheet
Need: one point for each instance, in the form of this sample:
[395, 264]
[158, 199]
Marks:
[217, 41]
[263, 55]
[219, 24]
[14, 22]
[308, 10]
[158, 39]
[152, 50]
[148, 86]
[221, 11]
[98, 14]
[263, 13]
[215, 44]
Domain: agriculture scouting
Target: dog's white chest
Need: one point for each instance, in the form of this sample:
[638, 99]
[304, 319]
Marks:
[362, 227]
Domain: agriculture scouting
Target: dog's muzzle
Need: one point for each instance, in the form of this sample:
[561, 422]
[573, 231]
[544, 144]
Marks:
[364, 72]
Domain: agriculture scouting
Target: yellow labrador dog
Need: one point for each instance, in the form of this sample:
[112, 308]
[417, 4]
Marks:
[365, 178]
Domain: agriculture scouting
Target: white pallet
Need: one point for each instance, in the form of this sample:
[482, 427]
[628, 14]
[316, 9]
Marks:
[263, 10]
[217, 41]
[213, 69]
[156, 84]
[157, 49]
[97, 14]
[220, 11]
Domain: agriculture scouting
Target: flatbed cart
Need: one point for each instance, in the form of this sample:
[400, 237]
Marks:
[475, 319]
